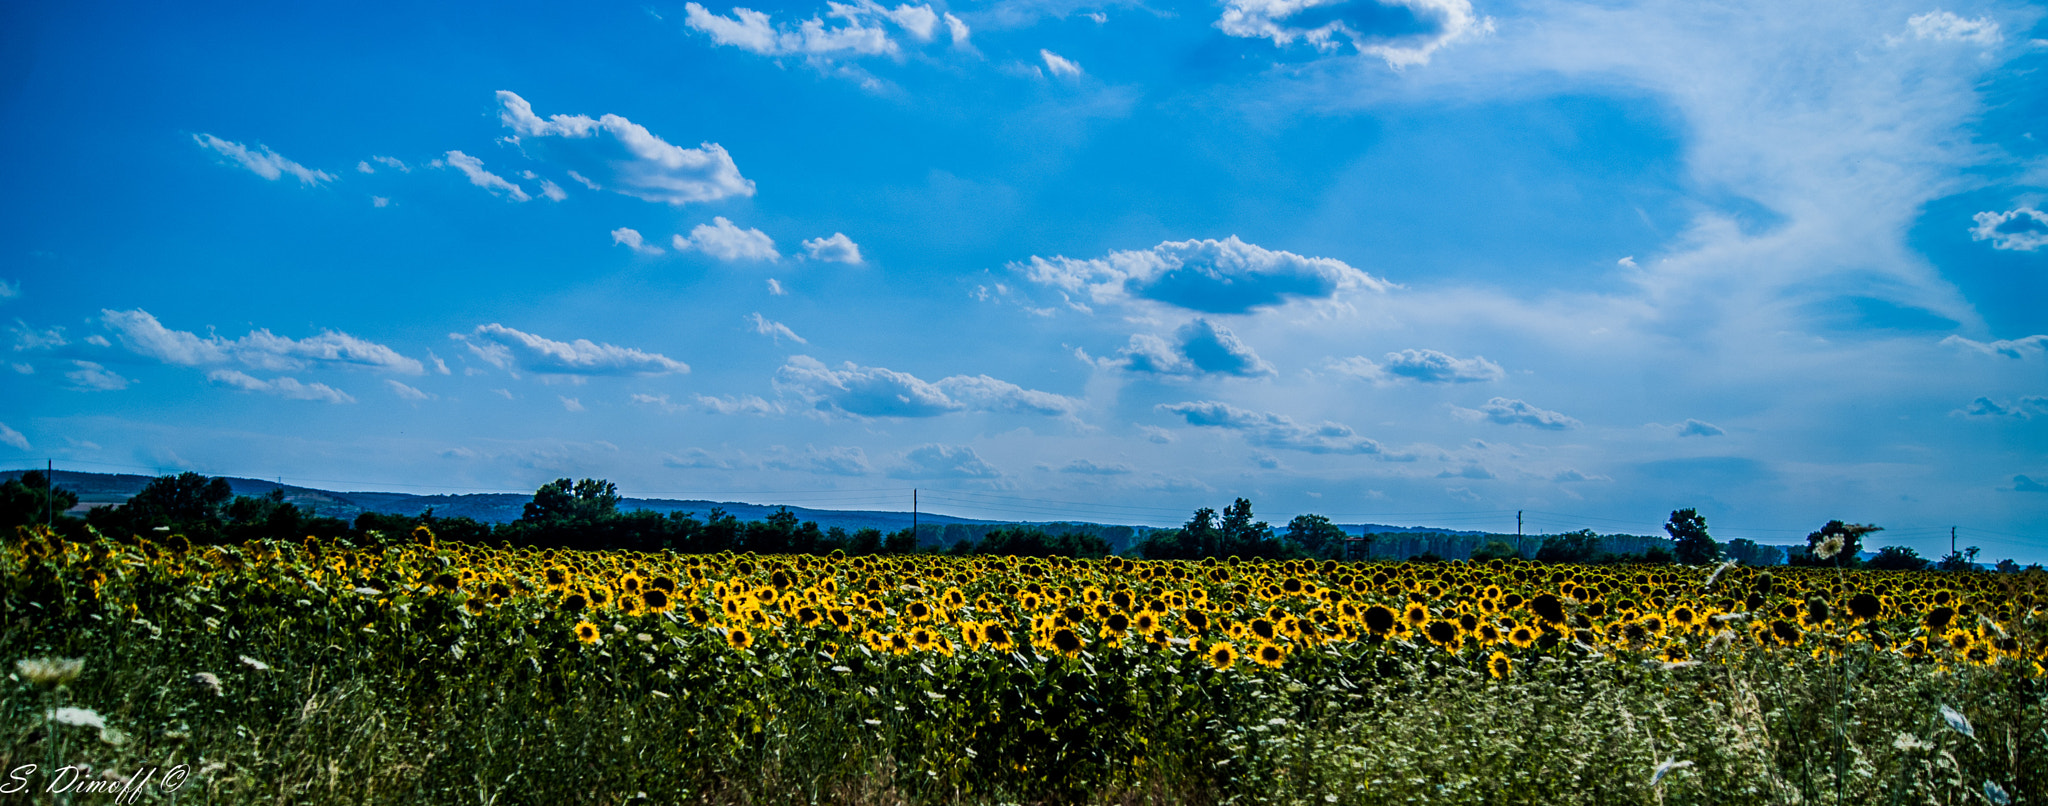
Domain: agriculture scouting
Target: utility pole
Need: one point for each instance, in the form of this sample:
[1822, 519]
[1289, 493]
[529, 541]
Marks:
[1951, 540]
[1518, 524]
[50, 490]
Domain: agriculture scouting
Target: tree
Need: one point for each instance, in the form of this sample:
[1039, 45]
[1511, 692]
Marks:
[586, 500]
[188, 503]
[1749, 552]
[1898, 558]
[1244, 537]
[1494, 550]
[1689, 530]
[1572, 547]
[1315, 536]
[1846, 554]
[28, 500]
[1965, 560]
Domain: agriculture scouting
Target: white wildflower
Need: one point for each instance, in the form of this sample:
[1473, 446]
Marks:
[50, 671]
[1666, 766]
[255, 664]
[1727, 617]
[1910, 743]
[1829, 548]
[369, 591]
[208, 681]
[1957, 722]
[1718, 571]
[82, 717]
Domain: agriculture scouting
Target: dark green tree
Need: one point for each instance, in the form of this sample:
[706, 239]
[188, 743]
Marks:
[188, 503]
[1898, 558]
[1493, 550]
[28, 500]
[585, 500]
[1965, 560]
[1852, 544]
[1689, 530]
[1315, 536]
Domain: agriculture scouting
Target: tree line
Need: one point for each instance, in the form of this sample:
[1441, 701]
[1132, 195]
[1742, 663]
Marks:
[585, 515]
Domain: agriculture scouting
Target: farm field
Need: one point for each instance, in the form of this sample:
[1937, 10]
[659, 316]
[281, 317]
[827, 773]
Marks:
[431, 672]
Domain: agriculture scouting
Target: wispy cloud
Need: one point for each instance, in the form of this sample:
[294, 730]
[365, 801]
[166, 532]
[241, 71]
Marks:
[876, 392]
[13, 438]
[1270, 430]
[474, 169]
[262, 161]
[1420, 366]
[506, 348]
[772, 329]
[1504, 411]
[287, 388]
[937, 461]
[142, 334]
[627, 157]
[630, 238]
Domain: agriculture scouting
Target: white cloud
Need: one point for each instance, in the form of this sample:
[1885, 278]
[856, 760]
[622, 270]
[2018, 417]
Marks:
[723, 240]
[474, 169]
[2024, 408]
[264, 163]
[287, 388]
[1200, 347]
[363, 167]
[570, 403]
[1515, 412]
[943, 461]
[510, 349]
[739, 404]
[2021, 230]
[774, 330]
[9, 290]
[836, 249]
[877, 392]
[1470, 471]
[28, 338]
[1227, 276]
[1086, 467]
[1421, 366]
[1270, 430]
[405, 392]
[1569, 475]
[775, 288]
[142, 334]
[11, 437]
[91, 377]
[638, 163]
[1696, 428]
[843, 461]
[379, 201]
[552, 191]
[1059, 66]
[1448, 22]
[957, 30]
[1944, 26]
[393, 162]
[862, 30]
[2010, 348]
[630, 238]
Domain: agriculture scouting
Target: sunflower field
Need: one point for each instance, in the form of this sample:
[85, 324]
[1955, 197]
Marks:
[308, 671]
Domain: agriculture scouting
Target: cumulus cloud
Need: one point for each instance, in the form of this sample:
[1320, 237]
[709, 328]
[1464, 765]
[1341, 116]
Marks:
[1695, 428]
[13, 438]
[1364, 24]
[1945, 26]
[90, 377]
[846, 31]
[633, 160]
[474, 169]
[509, 349]
[741, 404]
[2010, 348]
[2021, 230]
[836, 249]
[1199, 347]
[774, 330]
[262, 161]
[943, 462]
[287, 388]
[142, 334]
[1227, 276]
[630, 238]
[1059, 66]
[1421, 366]
[723, 240]
[1085, 467]
[1515, 412]
[877, 392]
[840, 461]
[1270, 430]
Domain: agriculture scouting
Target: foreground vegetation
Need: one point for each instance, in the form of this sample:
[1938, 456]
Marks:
[431, 672]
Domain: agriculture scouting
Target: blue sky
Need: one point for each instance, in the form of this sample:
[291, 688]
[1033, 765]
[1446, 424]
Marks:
[1416, 262]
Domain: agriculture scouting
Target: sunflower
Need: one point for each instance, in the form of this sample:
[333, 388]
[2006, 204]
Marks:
[1065, 642]
[631, 583]
[656, 600]
[918, 611]
[840, 619]
[474, 605]
[809, 616]
[1116, 625]
[1445, 634]
[574, 601]
[1144, 623]
[899, 644]
[557, 577]
[1415, 615]
[970, 634]
[922, 639]
[1522, 637]
[1264, 629]
[632, 604]
[1379, 620]
[586, 632]
[1499, 665]
[997, 636]
[1269, 656]
[739, 638]
[600, 596]
[1196, 620]
[698, 615]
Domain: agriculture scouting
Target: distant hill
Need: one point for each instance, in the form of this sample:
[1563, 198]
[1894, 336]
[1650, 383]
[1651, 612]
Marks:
[1392, 542]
